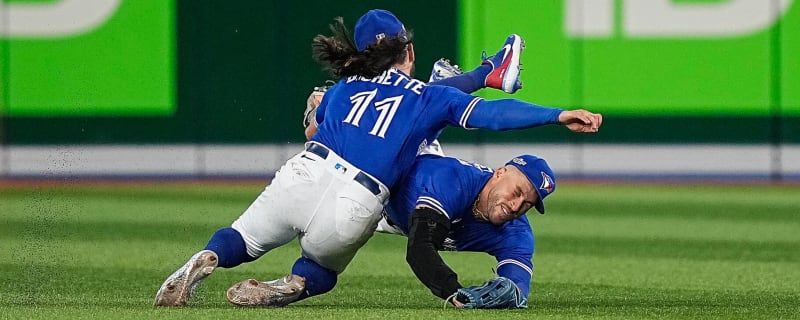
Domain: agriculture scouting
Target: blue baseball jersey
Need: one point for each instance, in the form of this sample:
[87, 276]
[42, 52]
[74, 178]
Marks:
[450, 186]
[380, 124]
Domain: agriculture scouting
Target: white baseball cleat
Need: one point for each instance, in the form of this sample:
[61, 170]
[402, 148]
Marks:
[443, 69]
[277, 293]
[177, 289]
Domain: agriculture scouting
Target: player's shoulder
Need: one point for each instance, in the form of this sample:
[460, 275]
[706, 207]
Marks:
[435, 164]
[450, 165]
[451, 175]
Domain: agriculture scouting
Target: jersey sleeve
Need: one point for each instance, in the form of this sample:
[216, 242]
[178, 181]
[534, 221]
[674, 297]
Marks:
[510, 114]
[514, 253]
[519, 271]
[471, 112]
[320, 113]
[324, 103]
[511, 244]
[455, 105]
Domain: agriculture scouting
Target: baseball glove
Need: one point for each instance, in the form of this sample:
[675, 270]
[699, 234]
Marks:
[313, 101]
[497, 293]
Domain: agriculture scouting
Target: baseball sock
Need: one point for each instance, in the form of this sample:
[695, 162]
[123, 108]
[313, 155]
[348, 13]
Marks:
[229, 246]
[319, 280]
[467, 82]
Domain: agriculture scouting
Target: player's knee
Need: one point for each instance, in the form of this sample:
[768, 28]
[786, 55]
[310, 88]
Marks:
[319, 279]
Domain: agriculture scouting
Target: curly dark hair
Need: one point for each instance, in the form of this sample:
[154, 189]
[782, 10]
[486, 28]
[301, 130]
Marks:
[338, 54]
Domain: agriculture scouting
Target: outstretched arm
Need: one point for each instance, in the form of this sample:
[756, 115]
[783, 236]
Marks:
[427, 232]
[511, 114]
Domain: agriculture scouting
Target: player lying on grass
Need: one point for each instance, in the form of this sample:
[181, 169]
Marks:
[450, 204]
[377, 119]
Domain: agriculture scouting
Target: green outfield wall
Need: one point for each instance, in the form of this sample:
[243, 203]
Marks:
[212, 72]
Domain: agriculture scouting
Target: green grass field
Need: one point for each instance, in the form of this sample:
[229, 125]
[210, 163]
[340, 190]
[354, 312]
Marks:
[602, 251]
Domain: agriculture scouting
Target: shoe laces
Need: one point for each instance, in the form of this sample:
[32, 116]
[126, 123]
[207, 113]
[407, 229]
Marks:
[484, 57]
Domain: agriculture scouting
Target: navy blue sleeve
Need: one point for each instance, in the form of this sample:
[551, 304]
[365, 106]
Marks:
[520, 271]
[514, 253]
[510, 114]
[320, 115]
[512, 245]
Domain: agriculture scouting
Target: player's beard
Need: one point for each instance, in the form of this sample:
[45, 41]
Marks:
[494, 210]
[483, 211]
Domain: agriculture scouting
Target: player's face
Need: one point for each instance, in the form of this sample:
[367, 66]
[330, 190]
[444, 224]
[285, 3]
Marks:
[512, 196]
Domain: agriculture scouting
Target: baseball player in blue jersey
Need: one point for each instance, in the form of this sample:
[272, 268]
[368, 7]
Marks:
[446, 203]
[331, 195]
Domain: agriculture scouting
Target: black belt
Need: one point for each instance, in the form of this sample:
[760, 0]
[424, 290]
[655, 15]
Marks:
[361, 177]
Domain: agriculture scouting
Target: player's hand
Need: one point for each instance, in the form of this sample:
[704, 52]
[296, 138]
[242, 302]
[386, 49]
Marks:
[497, 293]
[456, 303]
[581, 120]
[312, 102]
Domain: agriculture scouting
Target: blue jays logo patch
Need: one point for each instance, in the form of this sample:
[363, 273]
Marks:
[547, 183]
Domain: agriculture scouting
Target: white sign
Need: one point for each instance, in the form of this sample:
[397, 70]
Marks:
[54, 20]
[664, 18]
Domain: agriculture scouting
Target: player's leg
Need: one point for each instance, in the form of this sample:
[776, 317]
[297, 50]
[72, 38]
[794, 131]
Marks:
[225, 249]
[261, 228]
[230, 248]
[329, 241]
[307, 279]
[445, 74]
[318, 279]
[333, 239]
[500, 71]
[329, 244]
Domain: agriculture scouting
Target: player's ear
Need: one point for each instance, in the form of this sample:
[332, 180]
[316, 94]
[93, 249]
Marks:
[410, 53]
[500, 172]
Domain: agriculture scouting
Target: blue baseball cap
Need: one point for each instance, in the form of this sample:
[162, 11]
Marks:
[377, 24]
[540, 175]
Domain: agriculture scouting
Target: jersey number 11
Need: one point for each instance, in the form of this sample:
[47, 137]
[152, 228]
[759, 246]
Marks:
[387, 108]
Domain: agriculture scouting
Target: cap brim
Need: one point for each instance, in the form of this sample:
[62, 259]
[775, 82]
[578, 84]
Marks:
[539, 205]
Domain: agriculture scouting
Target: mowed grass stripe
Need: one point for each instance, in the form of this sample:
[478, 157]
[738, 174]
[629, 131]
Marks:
[588, 301]
[603, 245]
[108, 230]
[720, 250]
[667, 227]
[758, 203]
[617, 252]
[665, 273]
[111, 288]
